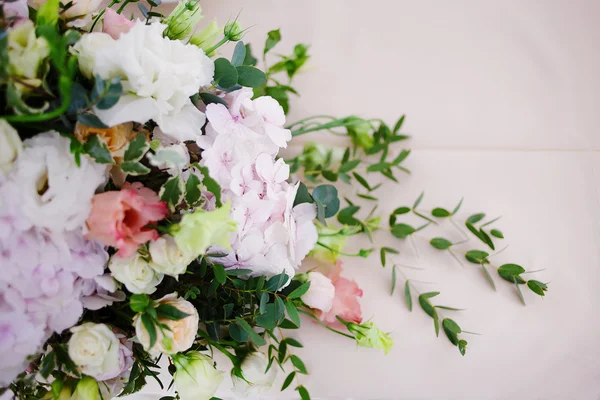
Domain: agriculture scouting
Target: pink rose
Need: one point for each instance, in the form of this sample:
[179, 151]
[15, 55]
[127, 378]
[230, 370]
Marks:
[345, 301]
[115, 24]
[119, 218]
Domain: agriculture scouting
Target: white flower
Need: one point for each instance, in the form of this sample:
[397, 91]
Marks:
[94, 348]
[10, 146]
[158, 75]
[135, 272]
[55, 193]
[80, 13]
[320, 293]
[258, 381]
[26, 51]
[86, 49]
[181, 333]
[168, 258]
[196, 378]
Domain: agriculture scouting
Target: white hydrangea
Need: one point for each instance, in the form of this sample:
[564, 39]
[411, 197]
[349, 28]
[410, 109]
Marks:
[158, 75]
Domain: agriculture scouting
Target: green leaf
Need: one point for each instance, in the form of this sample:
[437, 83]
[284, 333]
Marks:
[303, 393]
[282, 351]
[328, 196]
[255, 337]
[47, 14]
[398, 125]
[299, 291]
[475, 218]
[273, 37]
[172, 192]
[440, 213]
[264, 300]
[106, 93]
[249, 59]
[276, 282]
[329, 175]
[91, 120]
[136, 149]
[418, 200]
[537, 287]
[170, 312]
[134, 168]
[287, 324]
[293, 342]
[394, 279]
[150, 328]
[452, 330]
[349, 166]
[520, 294]
[436, 324]
[302, 195]
[98, 150]
[362, 181]
[292, 313]
[379, 167]
[480, 234]
[220, 274]
[488, 276]
[209, 98]
[511, 272]
[401, 157]
[440, 243]
[298, 364]
[426, 305]
[237, 334]
[250, 76]
[192, 190]
[139, 302]
[401, 210]
[239, 54]
[226, 75]
[367, 197]
[408, 295]
[477, 257]
[457, 207]
[211, 185]
[346, 216]
[402, 231]
[288, 380]
[48, 364]
[238, 272]
[462, 346]
[496, 233]
[268, 320]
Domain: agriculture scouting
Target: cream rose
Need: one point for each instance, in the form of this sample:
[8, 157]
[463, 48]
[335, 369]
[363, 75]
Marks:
[196, 377]
[181, 333]
[321, 292]
[86, 49]
[135, 273]
[168, 258]
[253, 369]
[10, 146]
[94, 348]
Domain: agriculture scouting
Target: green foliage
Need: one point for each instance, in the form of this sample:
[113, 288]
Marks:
[98, 150]
[440, 243]
[172, 192]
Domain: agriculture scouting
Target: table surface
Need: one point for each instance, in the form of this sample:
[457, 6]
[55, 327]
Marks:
[501, 101]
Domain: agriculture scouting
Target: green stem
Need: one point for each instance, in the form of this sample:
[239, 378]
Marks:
[324, 325]
[219, 44]
[337, 251]
[337, 123]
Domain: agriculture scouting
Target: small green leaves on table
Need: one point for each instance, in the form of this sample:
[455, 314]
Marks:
[440, 243]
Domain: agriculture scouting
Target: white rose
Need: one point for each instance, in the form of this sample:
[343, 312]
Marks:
[86, 49]
[253, 369]
[321, 292]
[55, 193]
[94, 348]
[168, 258]
[181, 333]
[158, 75]
[10, 146]
[196, 377]
[135, 272]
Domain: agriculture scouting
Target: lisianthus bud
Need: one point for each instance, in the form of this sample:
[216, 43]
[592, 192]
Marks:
[10, 146]
[183, 19]
[26, 53]
[233, 31]
[361, 132]
[87, 47]
[201, 229]
[181, 333]
[116, 24]
[368, 335]
[86, 389]
[334, 239]
[135, 272]
[94, 348]
[196, 378]
[320, 293]
[79, 14]
[206, 37]
[257, 379]
[167, 257]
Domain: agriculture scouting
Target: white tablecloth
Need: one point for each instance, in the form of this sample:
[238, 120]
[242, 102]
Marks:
[501, 99]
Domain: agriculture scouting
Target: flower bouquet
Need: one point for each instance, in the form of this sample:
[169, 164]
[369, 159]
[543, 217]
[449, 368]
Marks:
[146, 214]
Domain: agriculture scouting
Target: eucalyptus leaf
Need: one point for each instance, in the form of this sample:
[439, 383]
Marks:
[402, 231]
[440, 213]
[407, 295]
[226, 75]
[440, 243]
[475, 218]
[250, 76]
[328, 196]
[239, 54]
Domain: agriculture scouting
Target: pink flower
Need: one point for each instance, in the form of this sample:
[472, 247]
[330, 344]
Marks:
[119, 218]
[345, 301]
[115, 24]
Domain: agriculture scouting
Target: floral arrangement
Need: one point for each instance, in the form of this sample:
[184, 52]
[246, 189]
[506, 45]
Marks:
[146, 213]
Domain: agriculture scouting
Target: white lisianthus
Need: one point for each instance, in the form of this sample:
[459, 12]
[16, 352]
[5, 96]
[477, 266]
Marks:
[320, 293]
[86, 49]
[135, 273]
[168, 258]
[158, 75]
[94, 348]
[26, 52]
[10, 146]
[80, 13]
[196, 377]
[55, 193]
[256, 381]
[181, 333]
